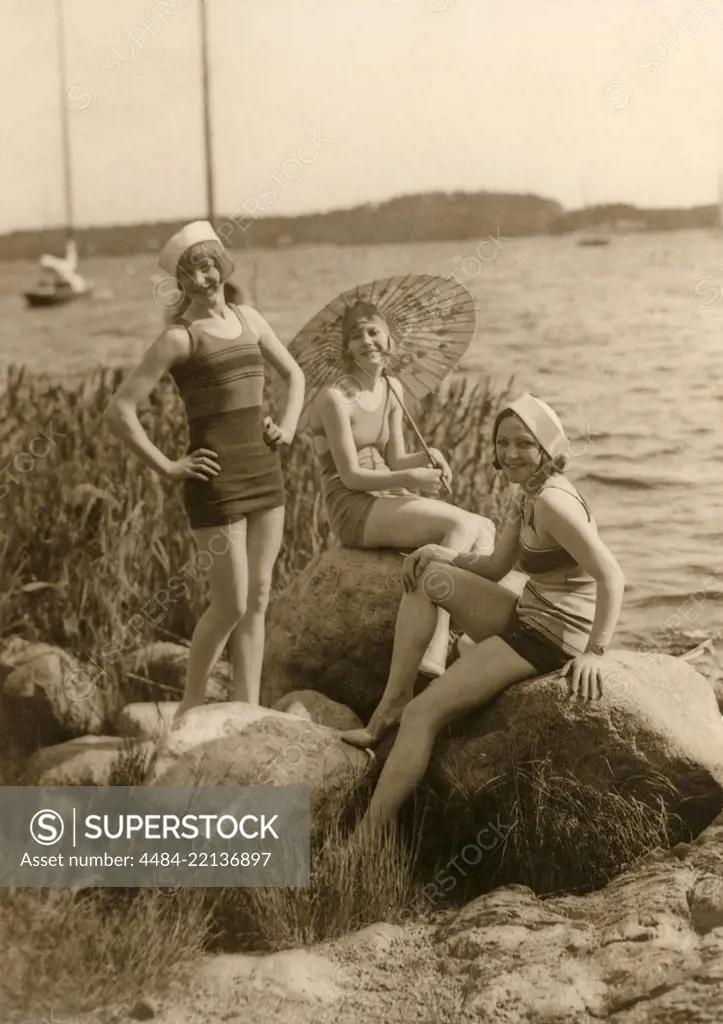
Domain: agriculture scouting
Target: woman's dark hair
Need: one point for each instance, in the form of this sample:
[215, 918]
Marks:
[505, 414]
[233, 293]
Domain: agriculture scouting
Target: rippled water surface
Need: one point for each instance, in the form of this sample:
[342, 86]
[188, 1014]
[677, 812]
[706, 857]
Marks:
[611, 337]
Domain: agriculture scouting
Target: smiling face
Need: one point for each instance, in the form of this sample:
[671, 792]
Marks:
[517, 451]
[199, 271]
[366, 337]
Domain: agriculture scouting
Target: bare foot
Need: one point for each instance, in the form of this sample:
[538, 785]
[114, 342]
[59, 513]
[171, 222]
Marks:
[379, 726]
[180, 714]
[363, 738]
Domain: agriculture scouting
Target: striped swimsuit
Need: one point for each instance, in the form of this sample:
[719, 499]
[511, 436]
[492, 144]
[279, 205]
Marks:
[222, 385]
[558, 600]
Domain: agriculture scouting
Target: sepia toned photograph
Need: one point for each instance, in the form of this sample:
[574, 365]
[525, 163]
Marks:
[361, 511]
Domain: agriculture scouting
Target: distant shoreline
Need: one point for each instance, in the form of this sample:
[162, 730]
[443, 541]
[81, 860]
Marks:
[430, 217]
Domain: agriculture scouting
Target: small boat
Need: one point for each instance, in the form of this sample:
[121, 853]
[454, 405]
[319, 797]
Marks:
[59, 281]
[54, 296]
[593, 241]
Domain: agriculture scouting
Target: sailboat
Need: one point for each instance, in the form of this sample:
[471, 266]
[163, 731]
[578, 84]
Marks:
[59, 281]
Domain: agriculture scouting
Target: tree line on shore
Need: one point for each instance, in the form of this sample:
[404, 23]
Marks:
[430, 217]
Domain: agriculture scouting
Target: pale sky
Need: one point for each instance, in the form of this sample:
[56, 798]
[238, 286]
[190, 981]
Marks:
[576, 100]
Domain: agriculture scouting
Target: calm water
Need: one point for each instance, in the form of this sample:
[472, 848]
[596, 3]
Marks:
[611, 337]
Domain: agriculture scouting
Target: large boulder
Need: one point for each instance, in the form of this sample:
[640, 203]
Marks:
[579, 788]
[86, 761]
[238, 744]
[332, 628]
[320, 709]
[47, 695]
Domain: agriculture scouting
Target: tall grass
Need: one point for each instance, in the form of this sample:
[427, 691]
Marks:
[82, 949]
[551, 830]
[354, 881]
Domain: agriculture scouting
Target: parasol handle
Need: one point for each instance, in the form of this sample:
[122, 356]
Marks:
[417, 431]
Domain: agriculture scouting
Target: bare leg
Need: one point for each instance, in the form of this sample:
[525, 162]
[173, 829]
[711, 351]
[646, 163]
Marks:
[467, 685]
[410, 522]
[481, 608]
[434, 657]
[224, 548]
[246, 646]
[480, 537]
[416, 621]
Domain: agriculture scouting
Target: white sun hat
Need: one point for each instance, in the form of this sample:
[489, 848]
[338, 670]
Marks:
[189, 235]
[542, 421]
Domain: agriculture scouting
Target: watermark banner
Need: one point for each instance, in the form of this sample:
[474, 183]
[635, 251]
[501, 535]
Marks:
[148, 836]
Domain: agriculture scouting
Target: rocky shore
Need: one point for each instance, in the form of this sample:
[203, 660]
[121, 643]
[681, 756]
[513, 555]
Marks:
[626, 792]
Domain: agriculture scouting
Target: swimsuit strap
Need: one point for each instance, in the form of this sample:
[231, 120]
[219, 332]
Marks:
[182, 321]
[237, 311]
[556, 487]
[384, 411]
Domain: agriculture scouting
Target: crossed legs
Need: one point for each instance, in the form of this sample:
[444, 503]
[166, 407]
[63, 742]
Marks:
[409, 523]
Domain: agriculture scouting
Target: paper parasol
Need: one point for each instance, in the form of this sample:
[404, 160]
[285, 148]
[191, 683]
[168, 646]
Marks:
[431, 321]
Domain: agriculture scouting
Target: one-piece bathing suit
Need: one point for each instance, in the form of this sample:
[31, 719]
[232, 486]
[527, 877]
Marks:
[222, 386]
[348, 510]
[552, 620]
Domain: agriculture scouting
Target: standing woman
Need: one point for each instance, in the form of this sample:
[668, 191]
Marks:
[233, 489]
[564, 617]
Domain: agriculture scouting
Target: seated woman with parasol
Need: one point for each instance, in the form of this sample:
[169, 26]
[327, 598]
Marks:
[562, 621]
[417, 328]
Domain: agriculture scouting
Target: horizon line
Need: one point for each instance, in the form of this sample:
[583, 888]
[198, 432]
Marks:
[359, 206]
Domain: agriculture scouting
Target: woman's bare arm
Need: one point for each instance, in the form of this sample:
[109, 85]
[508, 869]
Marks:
[395, 453]
[276, 354]
[121, 415]
[561, 515]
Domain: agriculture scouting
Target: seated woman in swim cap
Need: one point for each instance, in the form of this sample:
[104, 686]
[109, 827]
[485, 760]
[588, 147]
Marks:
[367, 477]
[565, 615]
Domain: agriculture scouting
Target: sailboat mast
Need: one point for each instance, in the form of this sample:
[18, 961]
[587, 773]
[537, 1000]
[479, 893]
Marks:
[210, 198]
[65, 128]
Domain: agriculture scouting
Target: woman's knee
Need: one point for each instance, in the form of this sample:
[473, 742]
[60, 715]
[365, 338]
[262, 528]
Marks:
[229, 611]
[436, 583]
[484, 533]
[259, 595]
